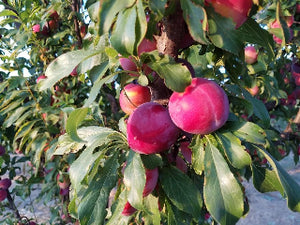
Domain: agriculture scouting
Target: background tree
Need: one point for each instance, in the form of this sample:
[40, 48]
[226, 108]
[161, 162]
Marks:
[209, 97]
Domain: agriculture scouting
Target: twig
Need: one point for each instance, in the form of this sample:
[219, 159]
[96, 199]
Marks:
[75, 8]
[12, 206]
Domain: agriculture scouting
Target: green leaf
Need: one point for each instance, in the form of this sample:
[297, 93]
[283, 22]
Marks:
[289, 185]
[151, 204]
[92, 207]
[123, 37]
[63, 65]
[109, 10]
[75, 118]
[181, 190]
[15, 115]
[177, 76]
[98, 84]
[234, 150]
[265, 180]
[8, 12]
[253, 33]
[175, 216]
[223, 34]
[195, 16]
[250, 132]
[222, 193]
[259, 108]
[158, 7]
[93, 137]
[38, 147]
[198, 153]
[135, 179]
[25, 129]
[152, 161]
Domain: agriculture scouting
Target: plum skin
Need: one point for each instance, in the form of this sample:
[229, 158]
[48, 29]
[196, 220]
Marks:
[151, 181]
[132, 96]
[201, 109]
[150, 129]
[250, 55]
[236, 9]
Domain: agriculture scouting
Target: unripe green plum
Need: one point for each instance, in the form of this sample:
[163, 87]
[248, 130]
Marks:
[238, 10]
[150, 129]
[201, 109]
[132, 96]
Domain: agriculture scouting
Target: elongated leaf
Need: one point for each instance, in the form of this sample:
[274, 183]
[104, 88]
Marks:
[108, 11]
[135, 179]
[266, 180]
[222, 193]
[177, 76]
[253, 33]
[234, 150]
[181, 190]
[93, 137]
[92, 207]
[289, 185]
[123, 37]
[98, 84]
[223, 34]
[158, 6]
[195, 17]
[250, 132]
[259, 108]
[151, 204]
[15, 115]
[175, 216]
[63, 65]
[75, 118]
[198, 153]
[38, 147]
[25, 129]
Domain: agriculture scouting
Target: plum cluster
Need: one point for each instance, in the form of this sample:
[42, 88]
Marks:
[152, 128]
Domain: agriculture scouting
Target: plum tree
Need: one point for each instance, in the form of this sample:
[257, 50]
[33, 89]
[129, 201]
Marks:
[132, 96]
[201, 109]
[148, 120]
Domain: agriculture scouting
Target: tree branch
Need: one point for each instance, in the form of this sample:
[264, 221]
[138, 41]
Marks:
[75, 9]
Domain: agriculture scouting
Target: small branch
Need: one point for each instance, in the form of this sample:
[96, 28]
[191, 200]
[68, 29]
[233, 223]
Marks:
[288, 132]
[75, 9]
[12, 206]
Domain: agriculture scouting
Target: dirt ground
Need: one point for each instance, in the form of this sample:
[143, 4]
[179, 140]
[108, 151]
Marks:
[265, 209]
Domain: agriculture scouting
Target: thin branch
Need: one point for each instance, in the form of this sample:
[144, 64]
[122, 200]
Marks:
[75, 9]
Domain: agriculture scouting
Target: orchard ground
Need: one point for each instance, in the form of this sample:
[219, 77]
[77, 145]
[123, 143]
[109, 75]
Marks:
[275, 210]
